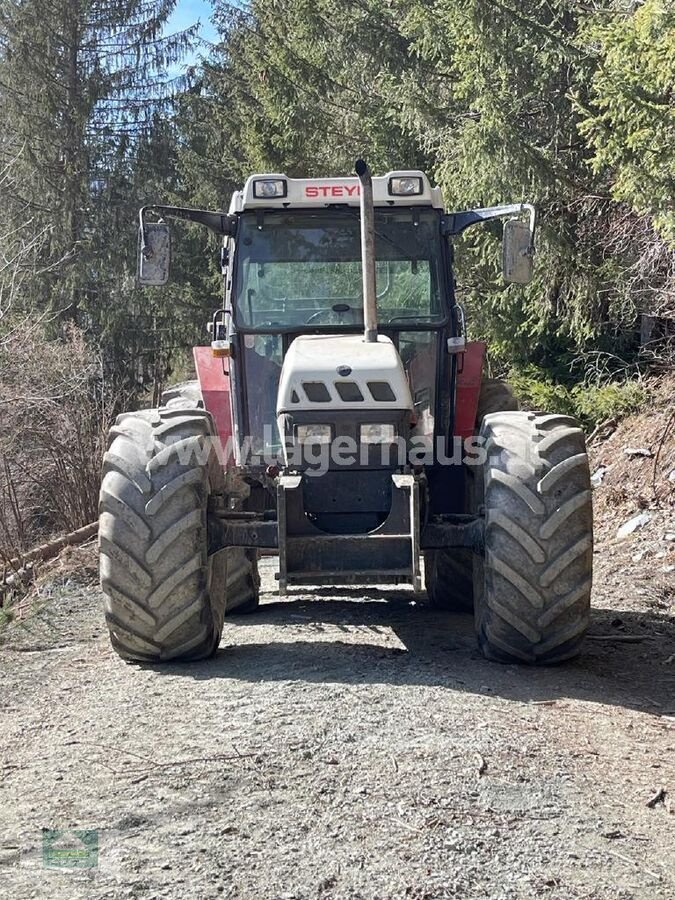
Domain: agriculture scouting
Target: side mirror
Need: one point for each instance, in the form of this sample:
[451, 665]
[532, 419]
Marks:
[517, 252]
[154, 254]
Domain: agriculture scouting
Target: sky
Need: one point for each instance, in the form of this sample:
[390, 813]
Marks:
[186, 13]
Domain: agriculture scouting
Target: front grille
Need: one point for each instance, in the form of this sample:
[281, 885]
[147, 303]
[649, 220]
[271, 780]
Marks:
[381, 391]
[316, 391]
[349, 391]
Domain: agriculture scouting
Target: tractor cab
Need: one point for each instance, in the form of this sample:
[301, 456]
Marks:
[297, 271]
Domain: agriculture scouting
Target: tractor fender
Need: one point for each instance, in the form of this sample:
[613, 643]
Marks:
[214, 383]
[469, 378]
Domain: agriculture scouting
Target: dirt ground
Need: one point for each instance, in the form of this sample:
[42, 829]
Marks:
[343, 745]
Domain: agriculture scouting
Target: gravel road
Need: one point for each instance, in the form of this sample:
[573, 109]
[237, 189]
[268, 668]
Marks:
[341, 746]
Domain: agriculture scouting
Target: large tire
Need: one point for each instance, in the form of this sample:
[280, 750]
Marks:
[242, 590]
[448, 578]
[532, 589]
[165, 595]
[448, 574]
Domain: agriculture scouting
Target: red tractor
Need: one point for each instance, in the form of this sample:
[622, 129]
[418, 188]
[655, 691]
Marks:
[341, 418]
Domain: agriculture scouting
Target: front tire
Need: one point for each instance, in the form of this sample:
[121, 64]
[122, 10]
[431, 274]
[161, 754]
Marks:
[165, 595]
[532, 589]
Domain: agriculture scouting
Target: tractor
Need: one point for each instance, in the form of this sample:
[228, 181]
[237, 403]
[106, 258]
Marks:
[342, 421]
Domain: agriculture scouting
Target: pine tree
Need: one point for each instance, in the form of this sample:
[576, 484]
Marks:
[85, 89]
[490, 98]
[630, 121]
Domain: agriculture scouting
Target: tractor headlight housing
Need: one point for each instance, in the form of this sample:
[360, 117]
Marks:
[378, 434]
[313, 434]
[269, 188]
[406, 186]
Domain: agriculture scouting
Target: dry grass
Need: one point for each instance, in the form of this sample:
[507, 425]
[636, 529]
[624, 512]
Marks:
[641, 481]
[641, 566]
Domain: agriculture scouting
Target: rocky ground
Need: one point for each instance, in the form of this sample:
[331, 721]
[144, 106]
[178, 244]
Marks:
[343, 745]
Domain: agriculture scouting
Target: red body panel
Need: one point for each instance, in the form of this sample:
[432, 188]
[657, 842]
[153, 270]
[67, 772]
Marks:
[215, 387]
[468, 388]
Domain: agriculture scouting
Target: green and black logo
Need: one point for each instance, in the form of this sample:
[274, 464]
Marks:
[69, 848]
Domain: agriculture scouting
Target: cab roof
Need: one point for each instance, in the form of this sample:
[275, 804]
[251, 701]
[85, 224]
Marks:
[318, 193]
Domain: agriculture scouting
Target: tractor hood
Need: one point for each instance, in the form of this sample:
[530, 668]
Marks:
[331, 372]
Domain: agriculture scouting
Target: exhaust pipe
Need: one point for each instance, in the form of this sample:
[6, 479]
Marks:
[368, 251]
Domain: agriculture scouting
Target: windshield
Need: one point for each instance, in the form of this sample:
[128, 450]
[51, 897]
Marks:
[304, 268]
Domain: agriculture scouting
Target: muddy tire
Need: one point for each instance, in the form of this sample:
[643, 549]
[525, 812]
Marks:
[165, 595]
[495, 396]
[242, 589]
[448, 574]
[448, 578]
[186, 395]
[532, 589]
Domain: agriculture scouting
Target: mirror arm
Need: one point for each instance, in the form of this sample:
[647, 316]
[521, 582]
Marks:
[456, 223]
[221, 223]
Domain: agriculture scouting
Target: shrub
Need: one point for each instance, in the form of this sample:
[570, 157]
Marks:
[54, 414]
[537, 390]
[591, 403]
[598, 402]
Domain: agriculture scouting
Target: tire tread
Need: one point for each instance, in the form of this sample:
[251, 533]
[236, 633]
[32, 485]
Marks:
[531, 609]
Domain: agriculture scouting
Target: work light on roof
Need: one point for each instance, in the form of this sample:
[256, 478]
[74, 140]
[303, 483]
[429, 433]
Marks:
[269, 188]
[406, 186]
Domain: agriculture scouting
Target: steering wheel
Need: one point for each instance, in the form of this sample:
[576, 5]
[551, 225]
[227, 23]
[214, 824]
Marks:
[339, 308]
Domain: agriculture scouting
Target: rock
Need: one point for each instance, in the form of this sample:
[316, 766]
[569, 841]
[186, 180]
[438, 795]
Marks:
[598, 475]
[669, 536]
[671, 477]
[638, 451]
[632, 525]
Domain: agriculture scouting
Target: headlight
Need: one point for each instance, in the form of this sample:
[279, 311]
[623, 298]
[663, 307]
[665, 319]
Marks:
[269, 188]
[313, 434]
[406, 186]
[378, 434]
